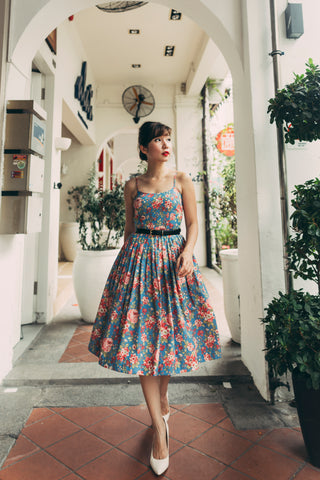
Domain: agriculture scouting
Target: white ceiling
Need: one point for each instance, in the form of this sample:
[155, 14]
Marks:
[111, 50]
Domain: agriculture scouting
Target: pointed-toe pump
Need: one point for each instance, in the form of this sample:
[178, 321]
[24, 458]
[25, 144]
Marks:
[160, 465]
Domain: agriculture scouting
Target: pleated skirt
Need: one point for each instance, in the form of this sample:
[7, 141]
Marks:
[150, 321]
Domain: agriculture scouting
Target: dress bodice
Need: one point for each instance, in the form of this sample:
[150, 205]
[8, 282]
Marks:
[158, 211]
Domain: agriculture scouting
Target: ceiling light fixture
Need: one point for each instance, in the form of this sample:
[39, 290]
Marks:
[175, 15]
[134, 31]
[117, 7]
[136, 65]
[169, 50]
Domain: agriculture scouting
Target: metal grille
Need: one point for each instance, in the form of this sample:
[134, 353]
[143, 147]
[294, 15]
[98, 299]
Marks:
[120, 6]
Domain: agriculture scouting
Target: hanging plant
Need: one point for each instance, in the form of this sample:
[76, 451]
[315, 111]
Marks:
[296, 107]
[212, 87]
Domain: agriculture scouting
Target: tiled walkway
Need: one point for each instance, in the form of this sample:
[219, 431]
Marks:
[75, 440]
[77, 348]
[113, 443]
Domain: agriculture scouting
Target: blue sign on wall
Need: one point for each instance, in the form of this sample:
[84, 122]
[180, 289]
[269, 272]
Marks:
[83, 92]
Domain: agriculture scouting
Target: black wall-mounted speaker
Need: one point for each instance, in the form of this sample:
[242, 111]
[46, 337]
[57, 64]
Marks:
[294, 20]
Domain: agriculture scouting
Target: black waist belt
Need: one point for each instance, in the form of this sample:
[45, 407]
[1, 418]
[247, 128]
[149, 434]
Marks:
[159, 232]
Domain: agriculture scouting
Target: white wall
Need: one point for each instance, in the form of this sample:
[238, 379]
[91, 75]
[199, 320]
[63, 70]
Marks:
[82, 153]
[189, 157]
[112, 117]
[70, 56]
[125, 147]
[78, 160]
[302, 159]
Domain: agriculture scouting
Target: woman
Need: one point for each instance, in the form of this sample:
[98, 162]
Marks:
[154, 319]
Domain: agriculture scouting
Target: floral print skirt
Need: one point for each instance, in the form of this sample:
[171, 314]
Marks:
[150, 321]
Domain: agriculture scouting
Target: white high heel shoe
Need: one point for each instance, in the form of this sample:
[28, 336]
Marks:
[160, 465]
[167, 415]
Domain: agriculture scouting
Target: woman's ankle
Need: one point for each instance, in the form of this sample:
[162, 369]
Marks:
[159, 427]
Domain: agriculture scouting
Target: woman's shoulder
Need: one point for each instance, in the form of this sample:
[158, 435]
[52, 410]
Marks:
[131, 186]
[183, 178]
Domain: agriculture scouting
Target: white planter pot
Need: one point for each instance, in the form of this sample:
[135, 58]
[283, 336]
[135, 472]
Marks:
[90, 272]
[69, 236]
[230, 277]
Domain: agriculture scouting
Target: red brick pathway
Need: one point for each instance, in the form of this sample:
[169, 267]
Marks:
[77, 349]
[113, 443]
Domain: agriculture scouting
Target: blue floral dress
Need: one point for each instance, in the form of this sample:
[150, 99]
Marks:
[150, 321]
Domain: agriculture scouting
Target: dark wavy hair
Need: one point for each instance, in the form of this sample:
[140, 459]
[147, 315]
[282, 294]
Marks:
[148, 131]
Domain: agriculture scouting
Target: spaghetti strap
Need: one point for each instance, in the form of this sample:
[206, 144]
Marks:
[174, 181]
[137, 183]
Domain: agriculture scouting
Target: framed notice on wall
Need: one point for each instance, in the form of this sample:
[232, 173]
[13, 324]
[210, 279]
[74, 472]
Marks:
[52, 41]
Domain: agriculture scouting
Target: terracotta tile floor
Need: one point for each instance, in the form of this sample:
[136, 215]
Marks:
[77, 348]
[113, 443]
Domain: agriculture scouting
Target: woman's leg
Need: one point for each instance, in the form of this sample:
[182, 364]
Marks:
[164, 382]
[151, 390]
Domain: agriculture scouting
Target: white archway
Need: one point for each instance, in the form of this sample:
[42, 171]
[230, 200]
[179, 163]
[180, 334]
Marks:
[228, 24]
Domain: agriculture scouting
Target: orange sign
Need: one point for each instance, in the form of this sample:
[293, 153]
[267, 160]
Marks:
[225, 141]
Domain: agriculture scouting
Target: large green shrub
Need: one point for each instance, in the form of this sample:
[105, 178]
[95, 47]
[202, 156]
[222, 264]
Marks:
[296, 107]
[293, 335]
[293, 319]
[304, 246]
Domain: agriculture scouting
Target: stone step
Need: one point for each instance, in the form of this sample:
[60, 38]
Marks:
[215, 373]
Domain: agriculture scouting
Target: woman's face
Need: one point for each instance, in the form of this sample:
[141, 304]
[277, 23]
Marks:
[159, 148]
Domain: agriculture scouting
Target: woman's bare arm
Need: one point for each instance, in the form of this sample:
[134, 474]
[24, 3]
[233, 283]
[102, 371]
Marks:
[185, 261]
[129, 192]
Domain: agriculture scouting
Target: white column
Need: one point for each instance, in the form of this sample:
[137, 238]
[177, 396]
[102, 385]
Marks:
[49, 237]
[259, 225]
[189, 157]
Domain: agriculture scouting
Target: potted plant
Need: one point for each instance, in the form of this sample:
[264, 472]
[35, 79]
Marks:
[296, 107]
[101, 219]
[292, 321]
[69, 240]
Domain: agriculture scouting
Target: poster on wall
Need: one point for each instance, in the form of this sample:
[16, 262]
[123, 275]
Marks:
[225, 141]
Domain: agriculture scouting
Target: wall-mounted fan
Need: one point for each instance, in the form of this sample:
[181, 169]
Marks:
[138, 101]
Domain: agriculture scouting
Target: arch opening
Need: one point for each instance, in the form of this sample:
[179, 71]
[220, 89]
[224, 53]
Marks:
[53, 13]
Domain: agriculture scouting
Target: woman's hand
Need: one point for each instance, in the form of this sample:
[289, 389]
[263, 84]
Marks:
[185, 263]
